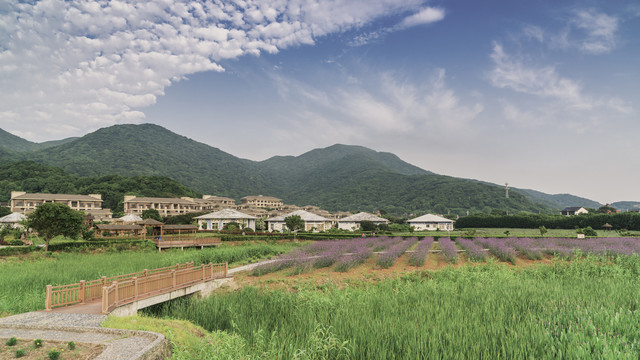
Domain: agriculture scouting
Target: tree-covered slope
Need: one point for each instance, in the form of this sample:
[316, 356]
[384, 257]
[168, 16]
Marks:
[33, 177]
[153, 150]
[14, 143]
[626, 205]
[558, 201]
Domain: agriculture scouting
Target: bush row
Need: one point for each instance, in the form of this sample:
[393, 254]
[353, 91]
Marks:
[627, 220]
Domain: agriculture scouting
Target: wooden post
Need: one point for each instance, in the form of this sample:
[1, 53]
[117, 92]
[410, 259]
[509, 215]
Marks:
[173, 274]
[225, 268]
[104, 281]
[83, 294]
[204, 272]
[135, 288]
[115, 301]
[105, 298]
[145, 272]
[48, 300]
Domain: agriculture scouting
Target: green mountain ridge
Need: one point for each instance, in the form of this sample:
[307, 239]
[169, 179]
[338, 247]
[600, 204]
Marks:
[558, 201]
[339, 177]
[15, 143]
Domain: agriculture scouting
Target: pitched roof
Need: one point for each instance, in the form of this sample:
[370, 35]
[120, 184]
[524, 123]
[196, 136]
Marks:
[149, 221]
[118, 227]
[132, 218]
[261, 197]
[226, 214]
[160, 200]
[180, 227]
[13, 218]
[430, 218]
[305, 215]
[363, 216]
[572, 208]
[52, 197]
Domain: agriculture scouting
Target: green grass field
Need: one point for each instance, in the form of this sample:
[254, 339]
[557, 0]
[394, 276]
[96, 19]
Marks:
[23, 280]
[583, 309]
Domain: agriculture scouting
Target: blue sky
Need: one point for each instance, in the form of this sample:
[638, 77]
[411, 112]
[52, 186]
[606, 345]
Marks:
[542, 94]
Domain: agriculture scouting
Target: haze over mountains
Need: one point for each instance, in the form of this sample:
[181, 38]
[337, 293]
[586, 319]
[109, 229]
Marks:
[339, 177]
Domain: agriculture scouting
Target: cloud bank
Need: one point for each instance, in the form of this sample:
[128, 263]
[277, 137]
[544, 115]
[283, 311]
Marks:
[90, 64]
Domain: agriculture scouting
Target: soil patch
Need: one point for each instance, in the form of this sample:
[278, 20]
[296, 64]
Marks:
[81, 351]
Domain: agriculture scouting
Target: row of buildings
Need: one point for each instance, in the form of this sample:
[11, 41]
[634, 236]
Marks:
[222, 210]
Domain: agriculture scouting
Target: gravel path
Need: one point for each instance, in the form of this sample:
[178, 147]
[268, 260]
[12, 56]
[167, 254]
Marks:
[85, 328]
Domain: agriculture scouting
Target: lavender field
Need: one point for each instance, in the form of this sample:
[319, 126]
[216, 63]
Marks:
[343, 255]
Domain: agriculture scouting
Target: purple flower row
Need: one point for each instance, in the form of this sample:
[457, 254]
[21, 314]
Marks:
[500, 249]
[387, 259]
[474, 251]
[448, 249]
[419, 255]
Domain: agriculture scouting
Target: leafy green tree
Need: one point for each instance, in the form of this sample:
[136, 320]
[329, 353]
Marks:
[4, 211]
[260, 224]
[294, 222]
[543, 230]
[53, 219]
[606, 210]
[367, 226]
[151, 214]
[231, 226]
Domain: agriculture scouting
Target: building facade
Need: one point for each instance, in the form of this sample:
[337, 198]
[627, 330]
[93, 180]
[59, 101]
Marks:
[174, 206]
[353, 222]
[431, 222]
[261, 201]
[26, 203]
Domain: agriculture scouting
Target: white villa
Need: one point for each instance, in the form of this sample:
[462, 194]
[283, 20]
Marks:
[12, 220]
[353, 222]
[217, 220]
[312, 222]
[129, 219]
[431, 222]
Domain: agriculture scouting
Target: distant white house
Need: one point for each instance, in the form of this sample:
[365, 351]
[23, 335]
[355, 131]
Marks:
[312, 222]
[128, 219]
[218, 219]
[431, 222]
[574, 210]
[353, 222]
[12, 220]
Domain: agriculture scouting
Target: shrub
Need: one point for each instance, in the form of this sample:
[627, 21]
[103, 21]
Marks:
[54, 354]
[12, 341]
[20, 353]
[71, 345]
[37, 343]
[15, 242]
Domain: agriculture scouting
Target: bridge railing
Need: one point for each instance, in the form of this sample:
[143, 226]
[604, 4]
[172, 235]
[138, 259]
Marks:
[130, 290]
[79, 293]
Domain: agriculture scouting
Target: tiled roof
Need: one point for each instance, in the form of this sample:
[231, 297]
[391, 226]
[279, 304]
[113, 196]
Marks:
[305, 215]
[53, 197]
[13, 218]
[363, 216]
[226, 214]
[430, 218]
[160, 200]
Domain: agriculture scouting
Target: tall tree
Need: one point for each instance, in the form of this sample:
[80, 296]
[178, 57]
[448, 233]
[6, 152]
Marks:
[151, 214]
[53, 219]
[294, 222]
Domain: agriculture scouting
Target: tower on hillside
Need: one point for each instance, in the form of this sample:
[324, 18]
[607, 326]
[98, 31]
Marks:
[506, 190]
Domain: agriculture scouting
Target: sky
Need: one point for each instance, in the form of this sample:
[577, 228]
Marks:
[540, 94]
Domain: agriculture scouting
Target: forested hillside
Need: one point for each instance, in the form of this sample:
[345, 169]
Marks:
[340, 177]
[558, 201]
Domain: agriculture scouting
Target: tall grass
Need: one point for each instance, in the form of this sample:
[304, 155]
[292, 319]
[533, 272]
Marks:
[587, 309]
[23, 284]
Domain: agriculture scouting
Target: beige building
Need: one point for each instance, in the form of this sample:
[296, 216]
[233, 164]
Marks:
[217, 220]
[312, 222]
[26, 203]
[431, 222]
[261, 202]
[353, 222]
[175, 206]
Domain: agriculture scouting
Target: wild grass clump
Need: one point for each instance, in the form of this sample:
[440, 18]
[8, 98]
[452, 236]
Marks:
[419, 255]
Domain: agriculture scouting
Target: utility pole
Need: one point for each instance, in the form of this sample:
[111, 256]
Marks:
[506, 190]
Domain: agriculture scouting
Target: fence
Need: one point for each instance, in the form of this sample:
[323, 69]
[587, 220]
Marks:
[79, 293]
[133, 289]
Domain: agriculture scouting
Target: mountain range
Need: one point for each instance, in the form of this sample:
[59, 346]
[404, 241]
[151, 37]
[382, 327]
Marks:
[339, 177]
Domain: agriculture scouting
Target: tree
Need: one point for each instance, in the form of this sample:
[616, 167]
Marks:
[543, 230]
[294, 222]
[151, 214]
[231, 226]
[53, 219]
[367, 225]
[260, 224]
[4, 211]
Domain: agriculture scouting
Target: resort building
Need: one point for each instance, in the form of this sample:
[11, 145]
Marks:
[431, 222]
[574, 210]
[175, 206]
[261, 202]
[26, 203]
[353, 222]
[217, 220]
[312, 222]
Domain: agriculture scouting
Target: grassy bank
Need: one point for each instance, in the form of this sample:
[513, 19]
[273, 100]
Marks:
[583, 309]
[23, 280]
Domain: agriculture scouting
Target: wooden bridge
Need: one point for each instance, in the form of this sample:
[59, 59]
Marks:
[148, 286]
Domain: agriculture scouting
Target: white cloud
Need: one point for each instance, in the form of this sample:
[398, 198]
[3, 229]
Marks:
[425, 16]
[599, 31]
[95, 63]
[378, 107]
